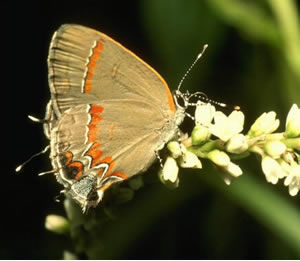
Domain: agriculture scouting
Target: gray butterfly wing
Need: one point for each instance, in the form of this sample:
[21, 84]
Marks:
[86, 66]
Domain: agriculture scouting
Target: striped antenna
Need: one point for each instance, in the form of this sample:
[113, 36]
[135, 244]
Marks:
[208, 100]
[202, 97]
[191, 67]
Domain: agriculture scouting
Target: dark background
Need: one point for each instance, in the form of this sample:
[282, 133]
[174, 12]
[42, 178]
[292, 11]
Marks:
[246, 64]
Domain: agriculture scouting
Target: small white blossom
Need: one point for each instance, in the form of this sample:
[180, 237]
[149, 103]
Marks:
[238, 117]
[226, 127]
[293, 122]
[230, 172]
[190, 160]
[67, 255]
[57, 224]
[275, 148]
[175, 149]
[200, 134]
[170, 170]
[293, 180]
[265, 124]
[204, 114]
[233, 169]
[237, 144]
[219, 157]
[272, 169]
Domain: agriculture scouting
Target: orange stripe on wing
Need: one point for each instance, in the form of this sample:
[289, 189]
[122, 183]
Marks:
[95, 153]
[91, 65]
[96, 109]
[93, 126]
[115, 173]
[110, 162]
[93, 137]
[119, 174]
[68, 157]
[109, 172]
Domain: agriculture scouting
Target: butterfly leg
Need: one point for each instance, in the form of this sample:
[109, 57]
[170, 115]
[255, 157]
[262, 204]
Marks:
[180, 138]
[159, 158]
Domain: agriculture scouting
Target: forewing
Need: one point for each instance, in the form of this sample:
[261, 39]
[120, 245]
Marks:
[86, 66]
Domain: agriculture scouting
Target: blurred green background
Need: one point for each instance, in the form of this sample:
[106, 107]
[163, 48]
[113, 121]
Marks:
[253, 60]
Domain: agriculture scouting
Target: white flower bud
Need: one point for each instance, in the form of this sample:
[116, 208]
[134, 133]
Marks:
[275, 148]
[293, 180]
[170, 170]
[265, 124]
[272, 169]
[218, 157]
[293, 122]
[234, 170]
[190, 160]
[237, 144]
[175, 149]
[57, 224]
[200, 134]
[230, 172]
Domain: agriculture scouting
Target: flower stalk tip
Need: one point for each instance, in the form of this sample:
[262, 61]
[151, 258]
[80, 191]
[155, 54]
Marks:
[57, 224]
[218, 137]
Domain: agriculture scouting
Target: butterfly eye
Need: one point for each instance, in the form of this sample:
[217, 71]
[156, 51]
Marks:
[180, 99]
